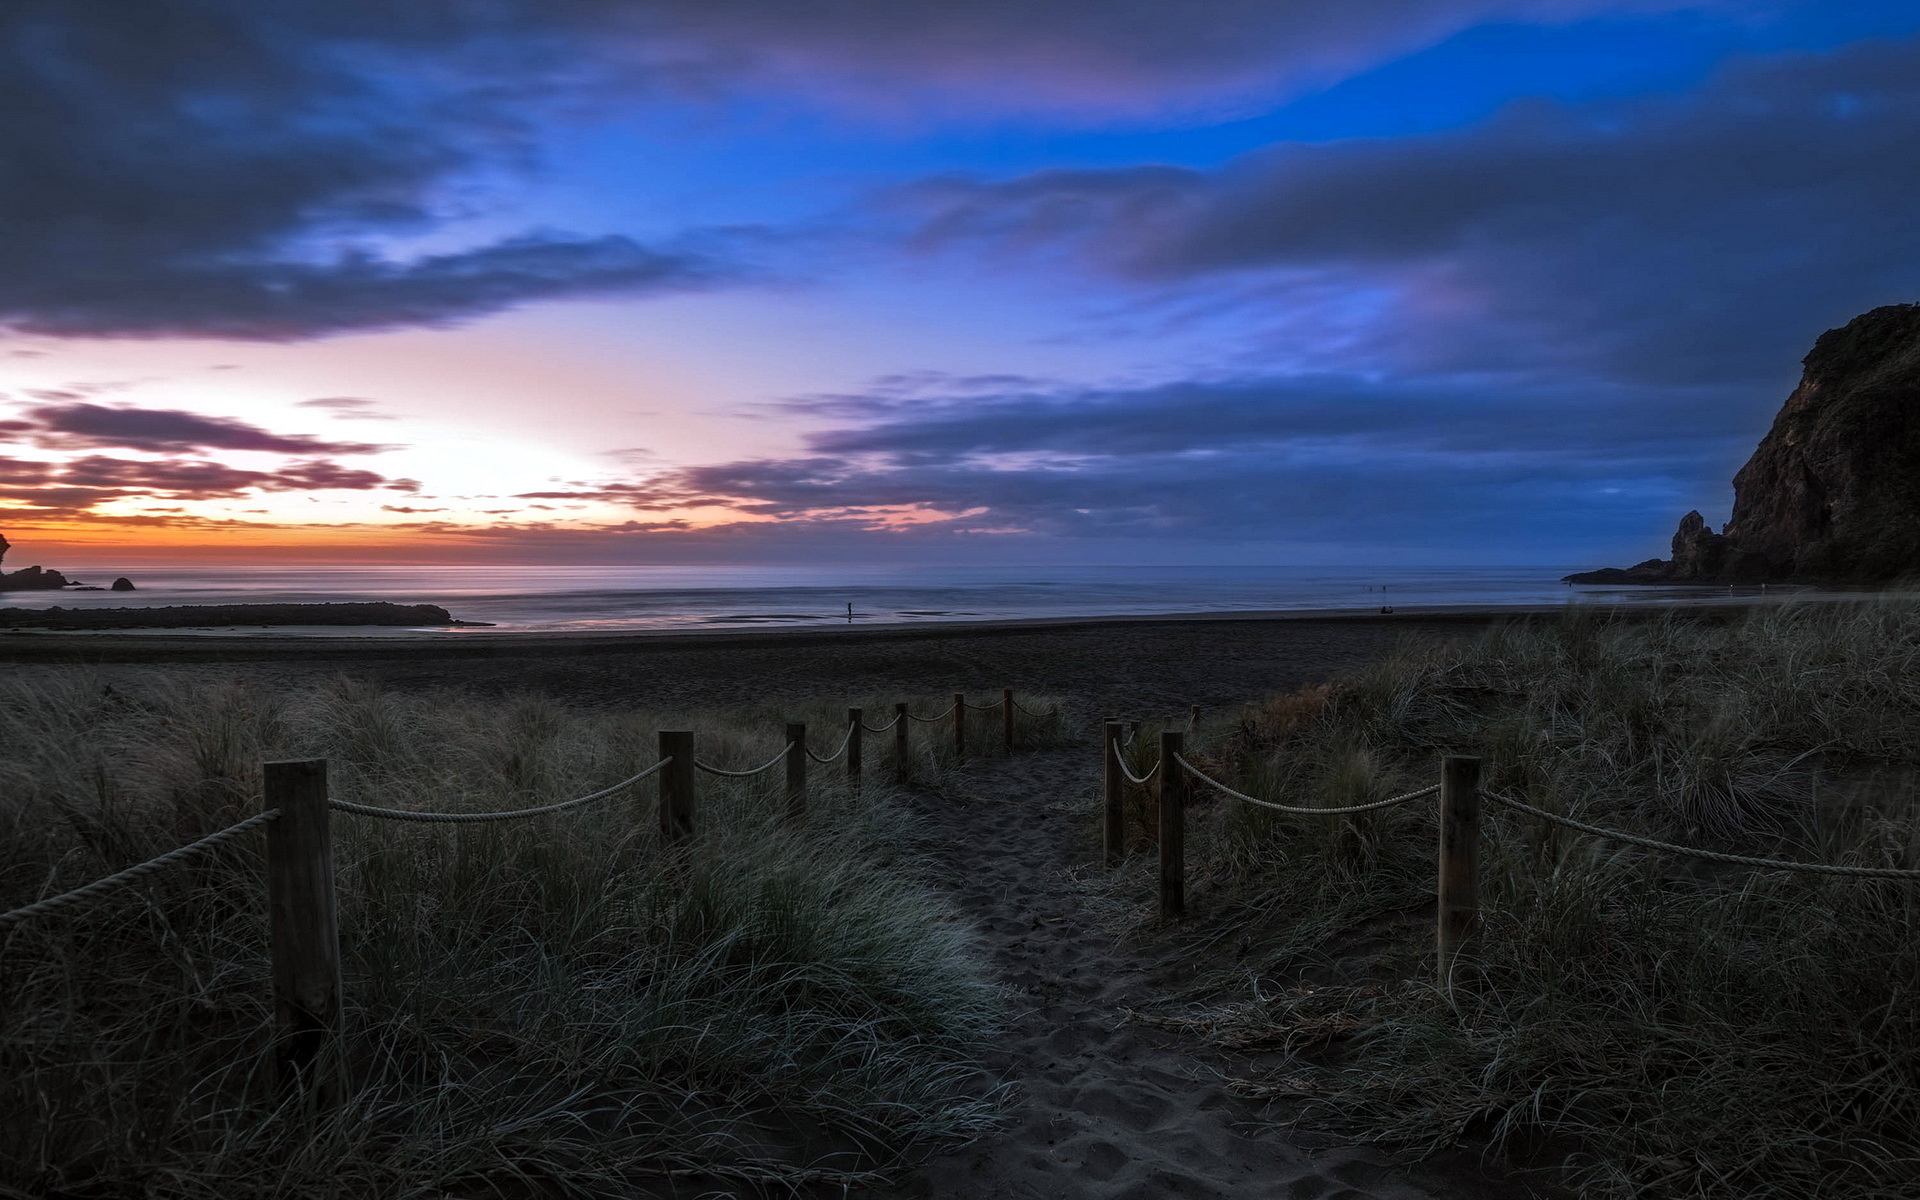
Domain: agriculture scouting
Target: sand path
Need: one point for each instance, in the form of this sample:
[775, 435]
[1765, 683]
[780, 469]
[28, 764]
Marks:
[1101, 1107]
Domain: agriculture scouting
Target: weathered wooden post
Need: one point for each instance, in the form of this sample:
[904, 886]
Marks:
[1173, 816]
[1006, 716]
[303, 924]
[1459, 868]
[1193, 716]
[796, 770]
[1114, 792]
[677, 800]
[855, 717]
[959, 726]
[902, 747]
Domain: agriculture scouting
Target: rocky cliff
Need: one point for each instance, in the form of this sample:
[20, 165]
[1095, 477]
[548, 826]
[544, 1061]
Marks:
[1832, 494]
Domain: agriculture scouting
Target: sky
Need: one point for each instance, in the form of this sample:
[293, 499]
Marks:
[1316, 282]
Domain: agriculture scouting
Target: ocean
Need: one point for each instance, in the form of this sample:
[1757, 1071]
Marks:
[609, 599]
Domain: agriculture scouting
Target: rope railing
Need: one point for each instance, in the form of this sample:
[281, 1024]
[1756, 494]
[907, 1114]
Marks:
[994, 707]
[1048, 714]
[939, 716]
[100, 887]
[1303, 810]
[1121, 761]
[881, 728]
[768, 765]
[439, 818]
[1743, 860]
[835, 756]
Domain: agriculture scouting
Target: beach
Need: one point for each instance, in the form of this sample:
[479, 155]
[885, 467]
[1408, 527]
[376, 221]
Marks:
[1136, 666]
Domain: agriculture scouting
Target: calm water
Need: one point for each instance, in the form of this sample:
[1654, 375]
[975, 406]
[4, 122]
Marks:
[618, 598]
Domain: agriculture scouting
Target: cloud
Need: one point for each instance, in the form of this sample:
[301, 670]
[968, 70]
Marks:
[347, 408]
[92, 480]
[81, 425]
[231, 169]
[1099, 59]
[1483, 467]
[1678, 238]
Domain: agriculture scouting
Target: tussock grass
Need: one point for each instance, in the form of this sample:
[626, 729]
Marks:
[559, 1003]
[1660, 1026]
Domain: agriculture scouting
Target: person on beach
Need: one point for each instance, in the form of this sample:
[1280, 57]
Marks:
[849, 611]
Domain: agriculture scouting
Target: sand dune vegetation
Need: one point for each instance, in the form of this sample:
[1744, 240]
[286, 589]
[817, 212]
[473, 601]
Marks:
[558, 1004]
[1642, 1023]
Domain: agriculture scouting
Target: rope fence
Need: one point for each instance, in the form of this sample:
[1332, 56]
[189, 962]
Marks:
[750, 772]
[100, 887]
[517, 814]
[1457, 890]
[302, 908]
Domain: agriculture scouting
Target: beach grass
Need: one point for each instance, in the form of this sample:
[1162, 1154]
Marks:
[1642, 1024]
[560, 1005]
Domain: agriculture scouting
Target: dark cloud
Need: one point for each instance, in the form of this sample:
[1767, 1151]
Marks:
[218, 167]
[81, 425]
[1493, 466]
[238, 169]
[1101, 58]
[1686, 238]
[92, 480]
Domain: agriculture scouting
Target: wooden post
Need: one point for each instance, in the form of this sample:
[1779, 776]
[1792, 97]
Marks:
[1115, 794]
[1459, 868]
[796, 770]
[902, 747]
[303, 924]
[1006, 716]
[1173, 816]
[1193, 717]
[854, 718]
[677, 784]
[959, 726]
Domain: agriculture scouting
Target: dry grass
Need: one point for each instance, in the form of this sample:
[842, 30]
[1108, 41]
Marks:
[559, 1004]
[1659, 1027]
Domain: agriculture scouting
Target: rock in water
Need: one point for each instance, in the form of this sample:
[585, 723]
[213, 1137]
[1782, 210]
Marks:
[122, 584]
[1832, 494]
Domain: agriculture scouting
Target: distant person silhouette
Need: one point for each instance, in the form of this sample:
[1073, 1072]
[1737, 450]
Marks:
[849, 611]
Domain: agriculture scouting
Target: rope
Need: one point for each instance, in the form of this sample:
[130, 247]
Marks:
[401, 814]
[1030, 712]
[1429, 790]
[835, 756]
[775, 761]
[137, 871]
[881, 728]
[994, 707]
[1151, 771]
[1744, 860]
[941, 716]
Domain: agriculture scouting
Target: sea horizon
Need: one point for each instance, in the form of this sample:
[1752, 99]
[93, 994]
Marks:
[549, 598]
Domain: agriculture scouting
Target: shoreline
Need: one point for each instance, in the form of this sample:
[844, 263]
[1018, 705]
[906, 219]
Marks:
[477, 640]
[1135, 665]
[252, 642]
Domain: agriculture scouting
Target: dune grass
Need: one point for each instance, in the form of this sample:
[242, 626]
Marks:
[559, 1004]
[1649, 1025]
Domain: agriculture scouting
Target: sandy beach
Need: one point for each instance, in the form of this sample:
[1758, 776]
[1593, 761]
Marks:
[1133, 665]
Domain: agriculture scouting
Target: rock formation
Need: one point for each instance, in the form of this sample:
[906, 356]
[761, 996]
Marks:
[122, 584]
[1832, 494]
[31, 578]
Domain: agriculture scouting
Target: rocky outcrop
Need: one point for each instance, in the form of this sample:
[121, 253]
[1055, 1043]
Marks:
[1832, 493]
[122, 584]
[31, 579]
